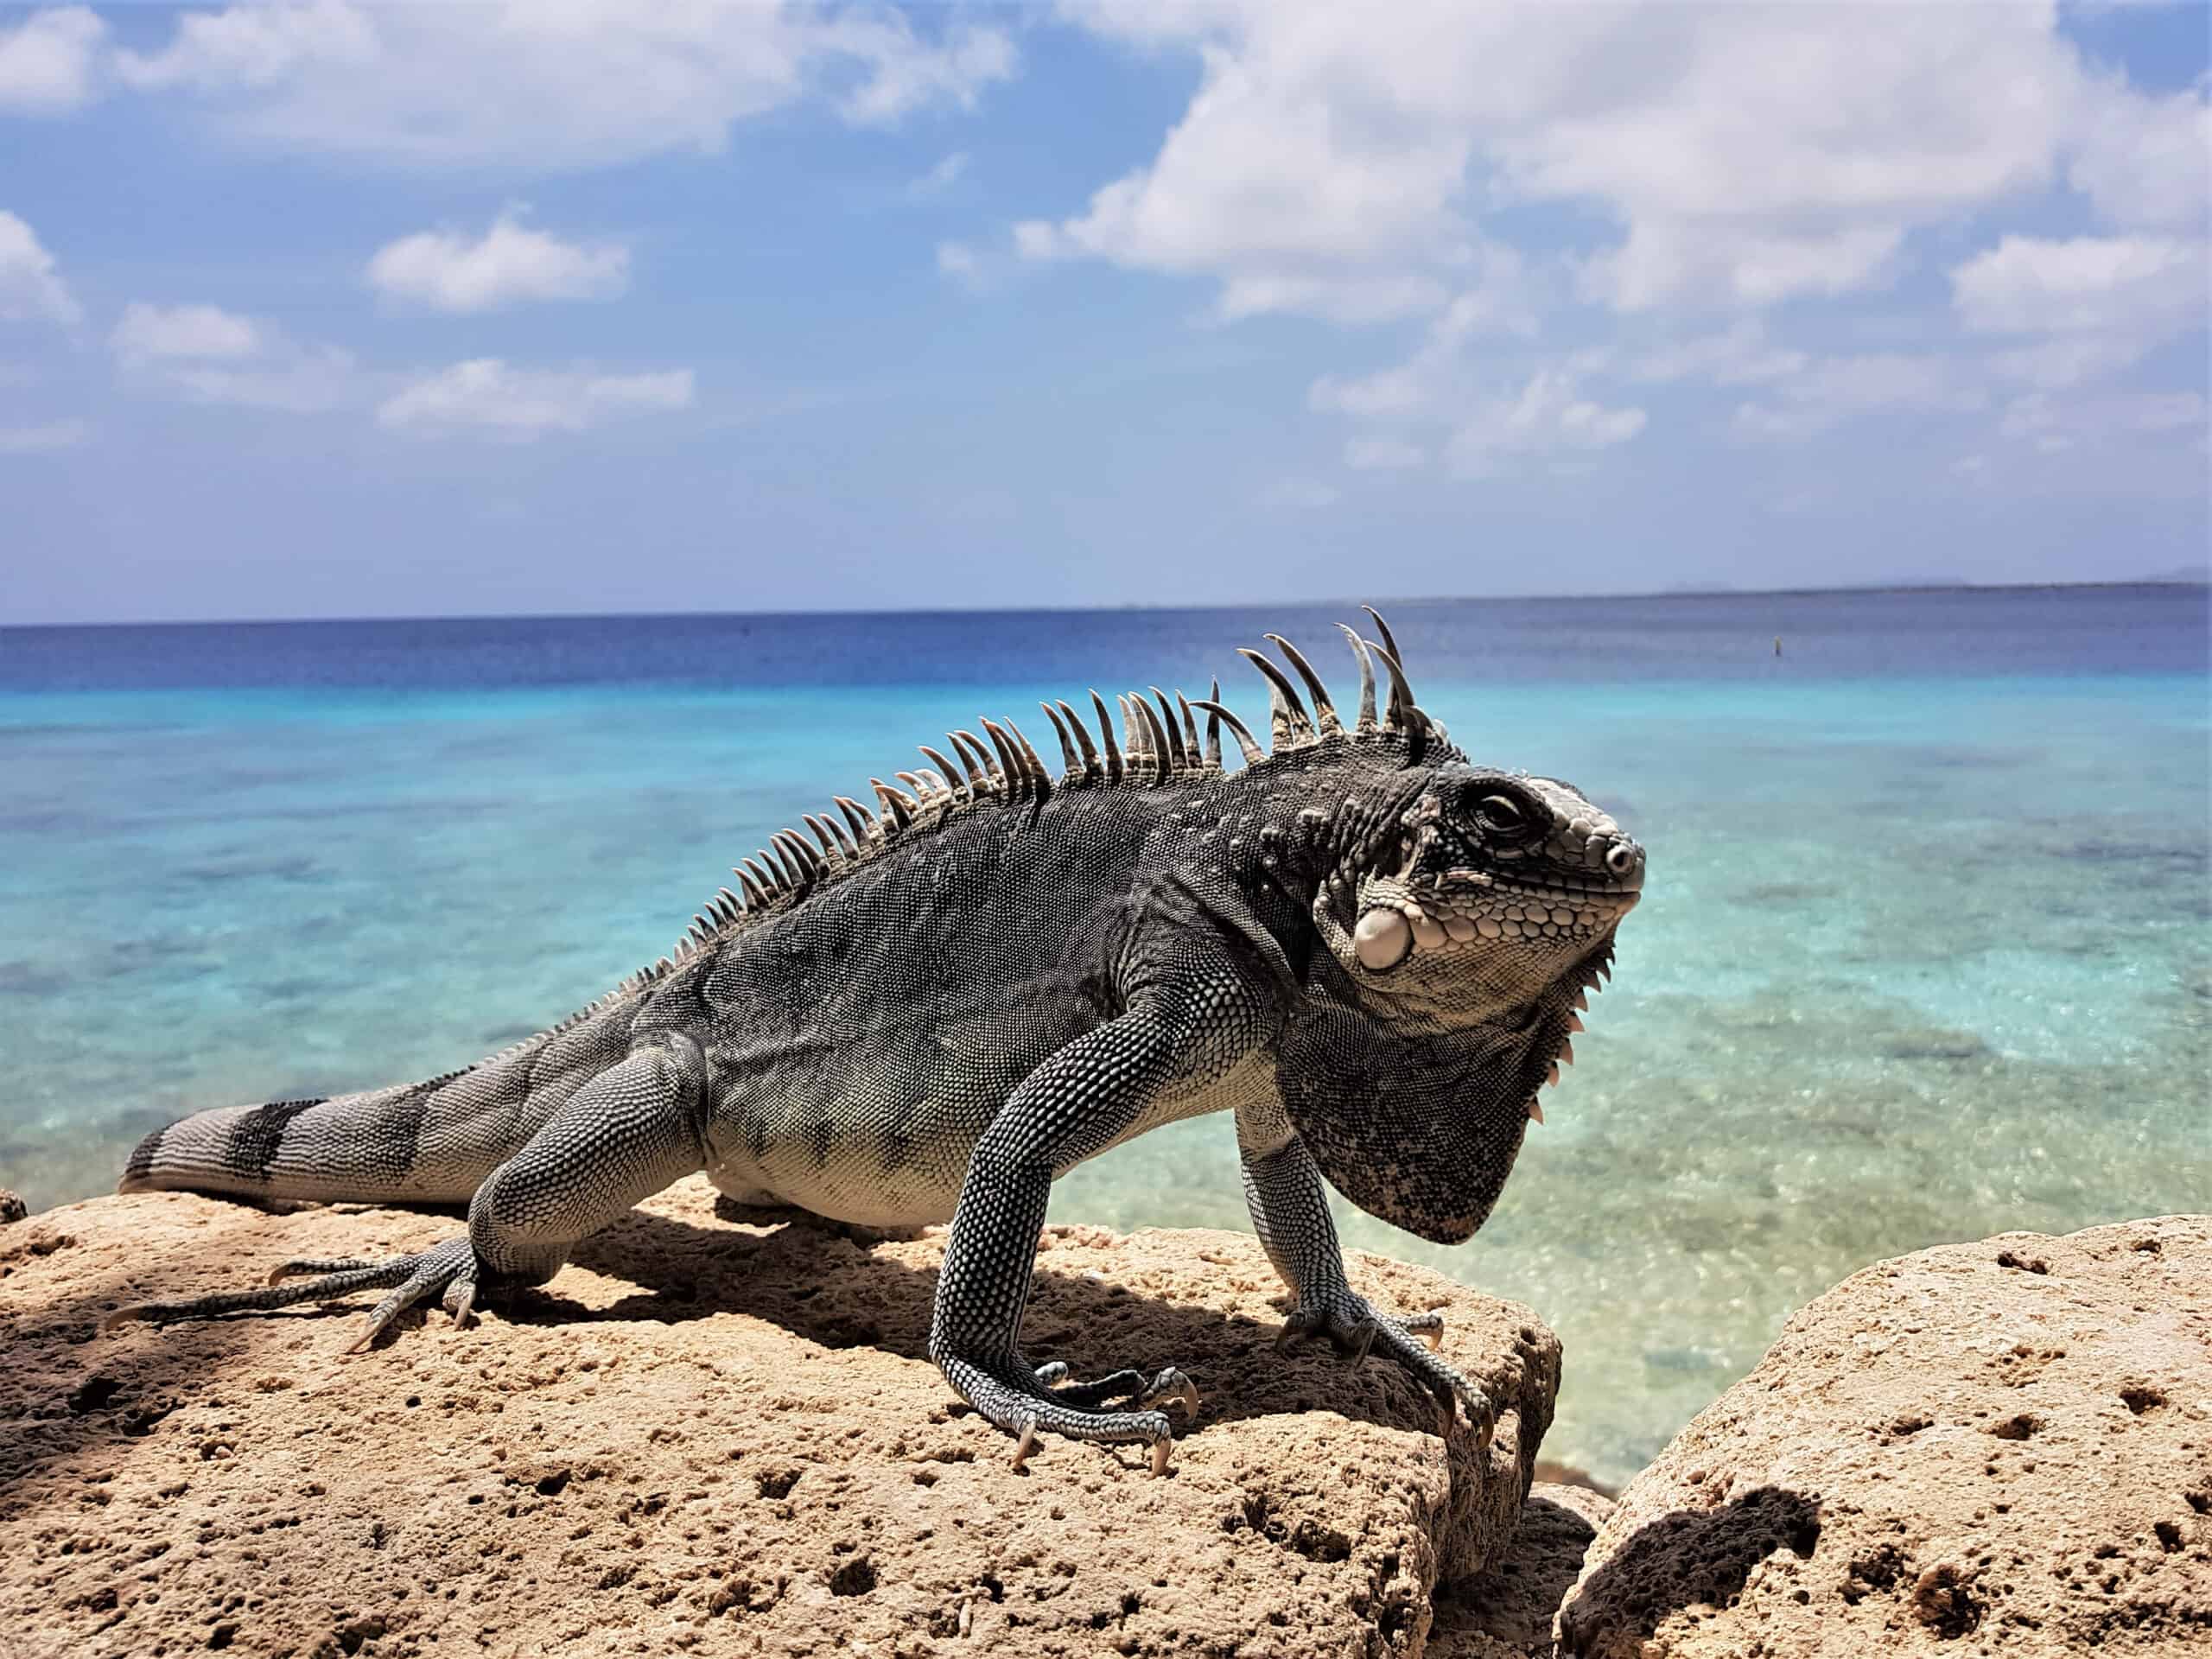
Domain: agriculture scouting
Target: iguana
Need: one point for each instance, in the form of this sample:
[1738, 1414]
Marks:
[1369, 950]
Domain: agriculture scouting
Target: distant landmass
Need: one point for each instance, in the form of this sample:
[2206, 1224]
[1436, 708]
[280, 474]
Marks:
[2185, 575]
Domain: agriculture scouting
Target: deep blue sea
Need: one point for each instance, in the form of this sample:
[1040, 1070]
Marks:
[1924, 954]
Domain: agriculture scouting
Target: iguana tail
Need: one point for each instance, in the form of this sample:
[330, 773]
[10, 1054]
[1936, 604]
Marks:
[432, 1142]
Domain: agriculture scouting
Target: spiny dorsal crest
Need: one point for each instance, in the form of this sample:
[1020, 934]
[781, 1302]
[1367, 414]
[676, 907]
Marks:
[1159, 744]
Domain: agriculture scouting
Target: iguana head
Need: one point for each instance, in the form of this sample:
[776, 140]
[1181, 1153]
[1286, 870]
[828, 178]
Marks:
[1499, 894]
[1467, 912]
[1468, 942]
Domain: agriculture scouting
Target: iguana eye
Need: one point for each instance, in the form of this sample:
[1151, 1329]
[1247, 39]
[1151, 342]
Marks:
[1501, 813]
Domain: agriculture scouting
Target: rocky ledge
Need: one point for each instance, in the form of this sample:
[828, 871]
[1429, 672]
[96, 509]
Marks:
[713, 1435]
[2001, 1448]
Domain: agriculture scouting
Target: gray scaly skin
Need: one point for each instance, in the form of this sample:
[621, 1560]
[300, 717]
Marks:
[1370, 950]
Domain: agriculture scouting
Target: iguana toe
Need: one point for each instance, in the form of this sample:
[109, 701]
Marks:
[1018, 1397]
[1415, 1342]
[449, 1270]
[1429, 1327]
[326, 1288]
[318, 1264]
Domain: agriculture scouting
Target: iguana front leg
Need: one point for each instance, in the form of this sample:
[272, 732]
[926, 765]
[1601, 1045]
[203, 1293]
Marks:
[1289, 1204]
[623, 1136]
[1085, 1097]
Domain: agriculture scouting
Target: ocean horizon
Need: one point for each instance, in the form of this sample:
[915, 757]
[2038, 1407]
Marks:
[1924, 955]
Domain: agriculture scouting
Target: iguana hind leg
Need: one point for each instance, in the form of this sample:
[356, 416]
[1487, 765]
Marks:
[625, 1136]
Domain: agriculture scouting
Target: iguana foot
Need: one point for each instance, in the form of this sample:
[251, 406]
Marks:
[450, 1268]
[1025, 1401]
[1349, 1321]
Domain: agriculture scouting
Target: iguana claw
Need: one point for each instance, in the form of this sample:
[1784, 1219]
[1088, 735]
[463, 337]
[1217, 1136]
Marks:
[1357, 1329]
[449, 1268]
[1023, 1400]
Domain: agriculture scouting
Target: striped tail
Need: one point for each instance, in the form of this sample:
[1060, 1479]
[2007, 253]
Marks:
[432, 1142]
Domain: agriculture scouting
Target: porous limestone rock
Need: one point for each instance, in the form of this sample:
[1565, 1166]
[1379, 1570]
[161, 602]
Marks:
[718, 1437]
[2001, 1448]
[1508, 1612]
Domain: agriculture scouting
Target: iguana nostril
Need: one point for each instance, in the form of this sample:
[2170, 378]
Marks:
[1622, 859]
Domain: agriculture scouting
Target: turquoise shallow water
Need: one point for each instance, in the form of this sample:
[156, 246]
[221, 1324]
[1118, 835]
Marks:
[1924, 955]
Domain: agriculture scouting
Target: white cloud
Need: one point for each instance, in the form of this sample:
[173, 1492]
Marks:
[42, 440]
[581, 84]
[1375, 453]
[2099, 304]
[207, 355]
[961, 262]
[1829, 391]
[2051, 422]
[908, 74]
[1741, 355]
[254, 47]
[447, 271]
[1547, 415]
[1394, 391]
[31, 289]
[151, 332]
[1671, 264]
[1301, 495]
[2147, 163]
[1338, 160]
[2030, 285]
[2069, 359]
[48, 62]
[490, 397]
[947, 173]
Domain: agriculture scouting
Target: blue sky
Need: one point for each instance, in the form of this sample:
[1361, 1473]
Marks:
[349, 310]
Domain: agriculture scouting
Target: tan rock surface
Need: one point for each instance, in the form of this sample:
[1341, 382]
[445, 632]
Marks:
[2000, 1448]
[1508, 1612]
[716, 1437]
